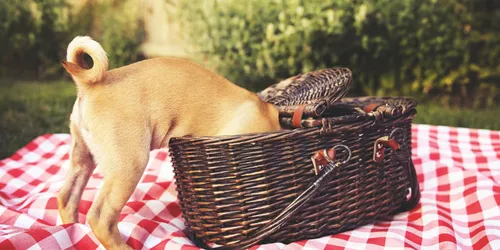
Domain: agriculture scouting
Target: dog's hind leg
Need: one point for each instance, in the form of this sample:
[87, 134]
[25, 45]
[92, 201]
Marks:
[81, 166]
[122, 165]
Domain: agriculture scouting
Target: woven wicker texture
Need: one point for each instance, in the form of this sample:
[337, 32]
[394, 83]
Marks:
[229, 187]
[316, 90]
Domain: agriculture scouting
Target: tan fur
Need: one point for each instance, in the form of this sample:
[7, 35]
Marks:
[76, 66]
[122, 114]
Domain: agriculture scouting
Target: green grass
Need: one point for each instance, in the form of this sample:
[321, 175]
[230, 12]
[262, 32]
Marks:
[436, 114]
[30, 109]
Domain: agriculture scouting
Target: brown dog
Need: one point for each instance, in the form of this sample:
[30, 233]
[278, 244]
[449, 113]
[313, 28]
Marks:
[122, 114]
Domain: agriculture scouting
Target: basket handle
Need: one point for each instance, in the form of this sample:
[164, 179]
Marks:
[324, 176]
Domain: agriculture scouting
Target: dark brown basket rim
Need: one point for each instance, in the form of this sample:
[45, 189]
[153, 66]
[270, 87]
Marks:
[285, 132]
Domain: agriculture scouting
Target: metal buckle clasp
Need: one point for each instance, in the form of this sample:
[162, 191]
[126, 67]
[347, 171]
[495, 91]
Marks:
[325, 156]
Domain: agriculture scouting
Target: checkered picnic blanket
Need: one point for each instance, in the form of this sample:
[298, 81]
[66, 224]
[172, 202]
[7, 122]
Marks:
[458, 170]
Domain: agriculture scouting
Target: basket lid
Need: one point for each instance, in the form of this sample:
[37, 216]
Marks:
[316, 91]
[315, 98]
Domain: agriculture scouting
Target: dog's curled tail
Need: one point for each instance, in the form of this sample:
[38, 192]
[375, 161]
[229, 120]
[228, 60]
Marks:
[75, 63]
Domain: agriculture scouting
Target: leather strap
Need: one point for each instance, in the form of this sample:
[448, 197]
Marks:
[380, 144]
[322, 158]
[392, 143]
[297, 117]
[371, 107]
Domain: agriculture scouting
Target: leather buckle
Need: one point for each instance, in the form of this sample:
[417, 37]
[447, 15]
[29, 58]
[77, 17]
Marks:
[326, 156]
[380, 145]
[321, 158]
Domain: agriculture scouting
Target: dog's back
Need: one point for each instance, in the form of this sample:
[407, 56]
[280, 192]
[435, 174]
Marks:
[172, 96]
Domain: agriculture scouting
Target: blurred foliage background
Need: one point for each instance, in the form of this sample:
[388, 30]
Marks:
[447, 48]
[444, 53]
[34, 34]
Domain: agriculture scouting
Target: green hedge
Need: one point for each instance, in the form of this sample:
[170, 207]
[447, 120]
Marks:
[447, 49]
[34, 34]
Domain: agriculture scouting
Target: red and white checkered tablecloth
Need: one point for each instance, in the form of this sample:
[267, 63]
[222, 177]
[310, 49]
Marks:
[458, 170]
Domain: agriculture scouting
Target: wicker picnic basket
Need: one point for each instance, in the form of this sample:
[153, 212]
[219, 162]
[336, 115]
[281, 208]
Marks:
[340, 163]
